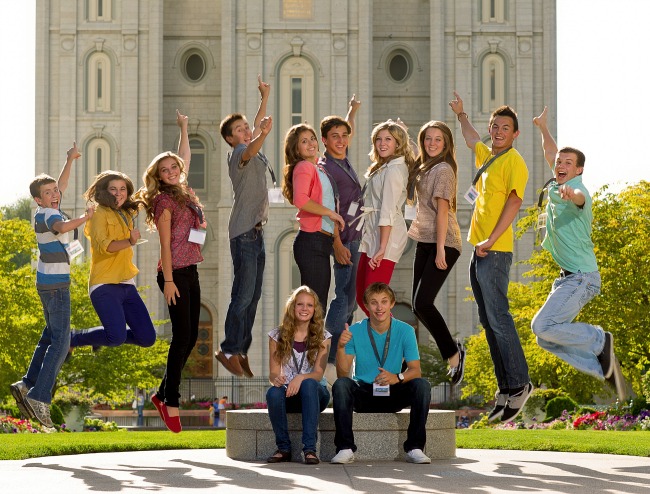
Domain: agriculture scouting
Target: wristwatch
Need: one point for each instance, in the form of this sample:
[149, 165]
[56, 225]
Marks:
[400, 376]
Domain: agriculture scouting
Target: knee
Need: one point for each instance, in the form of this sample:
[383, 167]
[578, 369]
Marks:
[309, 385]
[115, 339]
[342, 388]
[149, 339]
[539, 324]
[274, 395]
[421, 389]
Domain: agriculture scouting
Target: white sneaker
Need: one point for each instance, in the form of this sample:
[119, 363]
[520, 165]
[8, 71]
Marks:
[343, 456]
[417, 456]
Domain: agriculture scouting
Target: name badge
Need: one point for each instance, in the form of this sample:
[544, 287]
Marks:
[197, 236]
[275, 195]
[471, 195]
[541, 221]
[409, 212]
[74, 249]
[380, 390]
[352, 210]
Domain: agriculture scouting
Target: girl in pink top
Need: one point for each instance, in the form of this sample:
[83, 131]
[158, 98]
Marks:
[308, 187]
[174, 210]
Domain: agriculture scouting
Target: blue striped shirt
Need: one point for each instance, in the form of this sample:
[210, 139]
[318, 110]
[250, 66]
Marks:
[53, 269]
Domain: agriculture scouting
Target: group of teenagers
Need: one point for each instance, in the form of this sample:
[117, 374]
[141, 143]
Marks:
[375, 361]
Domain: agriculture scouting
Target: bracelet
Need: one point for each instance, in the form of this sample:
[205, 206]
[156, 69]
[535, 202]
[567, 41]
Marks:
[461, 114]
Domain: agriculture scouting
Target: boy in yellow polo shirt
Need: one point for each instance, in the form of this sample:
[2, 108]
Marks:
[497, 193]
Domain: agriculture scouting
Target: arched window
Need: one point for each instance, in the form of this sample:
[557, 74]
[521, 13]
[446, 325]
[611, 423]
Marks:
[196, 176]
[493, 11]
[99, 10]
[98, 158]
[98, 83]
[493, 82]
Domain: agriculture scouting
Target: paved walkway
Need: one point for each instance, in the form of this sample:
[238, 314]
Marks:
[198, 471]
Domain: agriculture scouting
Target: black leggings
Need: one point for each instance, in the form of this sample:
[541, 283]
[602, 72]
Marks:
[427, 282]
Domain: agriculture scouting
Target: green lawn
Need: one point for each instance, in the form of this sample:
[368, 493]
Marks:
[22, 446]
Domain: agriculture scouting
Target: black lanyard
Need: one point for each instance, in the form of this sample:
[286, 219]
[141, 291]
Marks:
[541, 194]
[197, 210]
[487, 164]
[295, 360]
[124, 218]
[268, 166]
[381, 361]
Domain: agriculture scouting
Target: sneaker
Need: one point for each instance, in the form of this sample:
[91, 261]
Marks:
[231, 364]
[343, 456]
[516, 403]
[40, 410]
[497, 411]
[245, 367]
[606, 357]
[19, 391]
[417, 456]
[617, 381]
[456, 373]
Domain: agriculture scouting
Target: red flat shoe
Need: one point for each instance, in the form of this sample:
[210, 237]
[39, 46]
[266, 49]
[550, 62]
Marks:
[160, 406]
[172, 423]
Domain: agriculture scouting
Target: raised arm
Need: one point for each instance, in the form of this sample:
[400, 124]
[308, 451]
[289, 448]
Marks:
[470, 134]
[265, 90]
[353, 106]
[548, 143]
[184, 142]
[64, 177]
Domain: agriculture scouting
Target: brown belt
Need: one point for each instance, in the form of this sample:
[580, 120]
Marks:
[326, 233]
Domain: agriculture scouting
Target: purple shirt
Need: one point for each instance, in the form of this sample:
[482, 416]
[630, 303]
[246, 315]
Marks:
[349, 190]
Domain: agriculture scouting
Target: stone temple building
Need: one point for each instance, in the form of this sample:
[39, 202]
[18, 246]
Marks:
[111, 73]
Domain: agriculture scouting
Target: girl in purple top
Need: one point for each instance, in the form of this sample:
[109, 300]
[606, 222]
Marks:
[174, 210]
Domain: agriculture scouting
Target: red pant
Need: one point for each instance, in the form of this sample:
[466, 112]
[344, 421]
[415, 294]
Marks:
[366, 276]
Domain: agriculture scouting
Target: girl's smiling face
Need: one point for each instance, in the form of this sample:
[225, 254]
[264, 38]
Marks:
[117, 188]
[305, 306]
[169, 171]
[434, 142]
[385, 144]
[308, 146]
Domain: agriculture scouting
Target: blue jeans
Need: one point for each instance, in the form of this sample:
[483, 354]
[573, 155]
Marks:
[312, 399]
[248, 259]
[124, 316]
[53, 346]
[312, 251]
[577, 343]
[489, 277]
[344, 304]
[184, 315]
[352, 396]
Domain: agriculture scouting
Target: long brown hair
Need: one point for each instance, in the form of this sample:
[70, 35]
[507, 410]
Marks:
[292, 158]
[153, 186]
[424, 162]
[402, 147]
[287, 329]
[99, 194]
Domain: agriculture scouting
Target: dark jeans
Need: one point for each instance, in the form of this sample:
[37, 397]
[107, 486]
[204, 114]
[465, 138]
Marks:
[489, 277]
[310, 401]
[124, 316]
[185, 330]
[248, 259]
[312, 250]
[351, 396]
[342, 307]
[427, 282]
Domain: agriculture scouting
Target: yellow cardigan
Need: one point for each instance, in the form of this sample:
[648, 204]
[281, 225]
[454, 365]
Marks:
[105, 226]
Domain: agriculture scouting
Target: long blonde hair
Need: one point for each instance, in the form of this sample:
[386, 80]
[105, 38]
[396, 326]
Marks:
[402, 147]
[287, 329]
[153, 186]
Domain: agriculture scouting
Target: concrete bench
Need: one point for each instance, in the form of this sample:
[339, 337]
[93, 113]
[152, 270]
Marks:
[378, 436]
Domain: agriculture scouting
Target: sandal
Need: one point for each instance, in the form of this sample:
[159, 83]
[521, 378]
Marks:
[311, 458]
[279, 457]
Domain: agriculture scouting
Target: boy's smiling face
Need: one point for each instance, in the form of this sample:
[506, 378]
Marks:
[49, 196]
[566, 167]
[241, 133]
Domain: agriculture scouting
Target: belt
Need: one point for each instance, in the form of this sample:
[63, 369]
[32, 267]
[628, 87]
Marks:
[326, 233]
[564, 273]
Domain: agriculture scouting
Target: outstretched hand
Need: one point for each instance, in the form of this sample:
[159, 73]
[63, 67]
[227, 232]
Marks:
[354, 103]
[73, 152]
[456, 104]
[541, 120]
[264, 87]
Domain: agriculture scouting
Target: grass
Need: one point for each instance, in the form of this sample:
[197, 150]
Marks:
[23, 446]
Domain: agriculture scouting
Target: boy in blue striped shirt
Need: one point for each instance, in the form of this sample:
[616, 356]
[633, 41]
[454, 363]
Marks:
[33, 393]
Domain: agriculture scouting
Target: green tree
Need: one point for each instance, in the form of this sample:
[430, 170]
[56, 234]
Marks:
[21, 209]
[433, 366]
[621, 234]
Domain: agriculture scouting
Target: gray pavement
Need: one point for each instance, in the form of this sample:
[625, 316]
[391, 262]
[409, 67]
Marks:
[209, 470]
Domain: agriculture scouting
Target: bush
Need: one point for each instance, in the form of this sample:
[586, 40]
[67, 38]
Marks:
[556, 406]
[56, 414]
[538, 400]
[645, 385]
[584, 410]
[637, 405]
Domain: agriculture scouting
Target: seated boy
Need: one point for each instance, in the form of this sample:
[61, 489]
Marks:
[33, 393]
[379, 344]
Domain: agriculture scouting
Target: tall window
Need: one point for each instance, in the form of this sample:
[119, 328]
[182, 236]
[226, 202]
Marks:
[98, 83]
[493, 82]
[493, 11]
[296, 100]
[98, 158]
[99, 10]
[196, 176]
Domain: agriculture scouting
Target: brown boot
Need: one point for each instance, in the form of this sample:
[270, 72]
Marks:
[231, 364]
[246, 369]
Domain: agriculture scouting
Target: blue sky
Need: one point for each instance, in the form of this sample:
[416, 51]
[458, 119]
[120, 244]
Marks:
[602, 90]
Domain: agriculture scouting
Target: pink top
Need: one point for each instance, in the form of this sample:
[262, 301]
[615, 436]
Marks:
[184, 252]
[306, 186]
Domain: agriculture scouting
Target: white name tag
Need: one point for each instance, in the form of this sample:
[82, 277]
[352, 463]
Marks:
[74, 249]
[197, 236]
[541, 221]
[352, 210]
[380, 390]
[471, 195]
[275, 195]
[409, 212]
